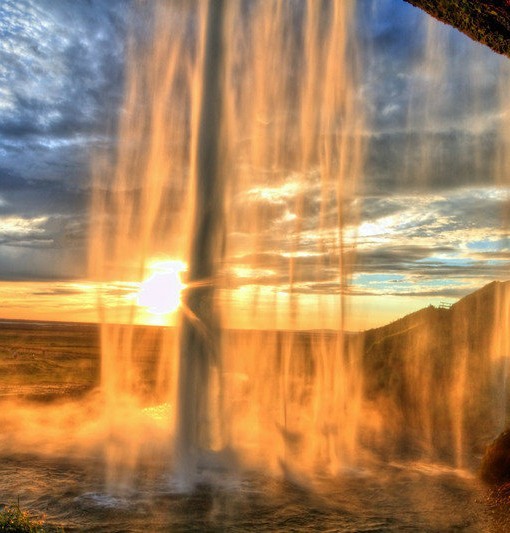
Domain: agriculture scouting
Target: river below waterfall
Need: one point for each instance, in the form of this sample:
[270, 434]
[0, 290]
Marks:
[396, 497]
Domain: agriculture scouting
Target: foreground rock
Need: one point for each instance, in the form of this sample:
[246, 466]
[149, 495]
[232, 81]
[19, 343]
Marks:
[495, 467]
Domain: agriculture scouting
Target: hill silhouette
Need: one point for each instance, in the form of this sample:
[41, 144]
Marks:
[441, 373]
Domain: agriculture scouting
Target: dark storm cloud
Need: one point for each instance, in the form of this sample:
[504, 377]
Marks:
[423, 272]
[435, 160]
[325, 287]
[375, 207]
[61, 82]
[61, 66]
[51, 159]
[31, 197]
[26, 263]
[432, 107]
[395, 258]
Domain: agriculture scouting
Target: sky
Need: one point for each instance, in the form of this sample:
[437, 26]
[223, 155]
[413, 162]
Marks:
[432, 204]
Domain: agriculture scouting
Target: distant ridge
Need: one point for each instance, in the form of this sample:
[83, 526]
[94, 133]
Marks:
[481, 299]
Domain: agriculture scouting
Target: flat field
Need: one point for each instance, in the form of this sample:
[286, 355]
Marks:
[47, 360]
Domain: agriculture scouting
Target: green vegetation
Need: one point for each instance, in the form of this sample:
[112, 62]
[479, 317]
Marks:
[14, 520]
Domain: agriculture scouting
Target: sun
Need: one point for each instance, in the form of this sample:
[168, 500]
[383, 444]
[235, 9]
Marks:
[160, 293]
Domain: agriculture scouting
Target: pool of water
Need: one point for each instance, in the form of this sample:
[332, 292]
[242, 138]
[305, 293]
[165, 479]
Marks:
[396, 497]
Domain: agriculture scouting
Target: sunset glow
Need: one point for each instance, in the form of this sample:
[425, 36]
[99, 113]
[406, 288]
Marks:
[254, 262]
[160, 292]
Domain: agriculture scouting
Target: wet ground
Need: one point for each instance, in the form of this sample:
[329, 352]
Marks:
[406, 497]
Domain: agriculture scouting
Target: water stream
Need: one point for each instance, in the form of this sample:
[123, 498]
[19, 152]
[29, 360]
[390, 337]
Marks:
[213, 124]
[243, 145]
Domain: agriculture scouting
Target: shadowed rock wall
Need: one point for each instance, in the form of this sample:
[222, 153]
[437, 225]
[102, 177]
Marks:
[485, 21]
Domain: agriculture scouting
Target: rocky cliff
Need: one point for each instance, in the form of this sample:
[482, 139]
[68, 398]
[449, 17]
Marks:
[442, 374]
[485, 21]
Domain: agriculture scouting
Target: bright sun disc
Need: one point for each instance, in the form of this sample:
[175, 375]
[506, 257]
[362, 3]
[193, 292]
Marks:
[161, 292]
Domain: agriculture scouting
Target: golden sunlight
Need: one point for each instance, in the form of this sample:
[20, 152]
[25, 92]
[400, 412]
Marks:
[160, 292]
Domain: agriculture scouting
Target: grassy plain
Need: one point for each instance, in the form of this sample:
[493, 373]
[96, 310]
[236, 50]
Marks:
[47, 360]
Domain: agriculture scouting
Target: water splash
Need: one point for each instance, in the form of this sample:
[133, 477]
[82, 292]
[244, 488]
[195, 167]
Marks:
[242, 144]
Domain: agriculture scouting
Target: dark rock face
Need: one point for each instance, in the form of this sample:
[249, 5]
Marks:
[485, 21]
[440, 373]
[495, 468]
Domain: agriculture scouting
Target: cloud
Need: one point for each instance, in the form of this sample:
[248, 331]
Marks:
[31, 197]
[434, 160]
[32, 263]
[60, 80]
[61, 66]
[61, 84]
[435, 103]
[58, 291]
[413, 244]
[425, 204]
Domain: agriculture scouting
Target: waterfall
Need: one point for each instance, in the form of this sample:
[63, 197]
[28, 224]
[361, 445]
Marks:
[244, 141]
